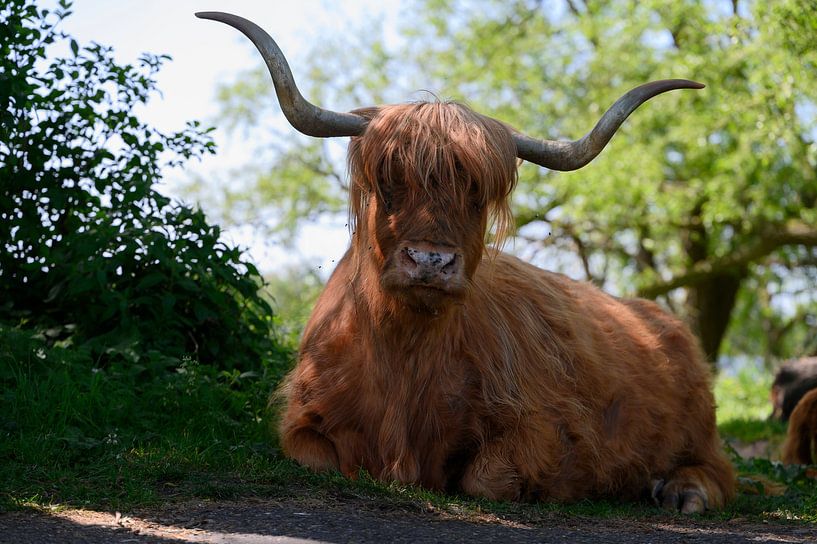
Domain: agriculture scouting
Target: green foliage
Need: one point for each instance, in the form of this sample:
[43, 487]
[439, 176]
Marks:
[743, 419]
[795, 500]
[293, 295]
[747, 430]
[697, 186]
[775, 316]
[744, 394]
[744, 406]
[90, 251]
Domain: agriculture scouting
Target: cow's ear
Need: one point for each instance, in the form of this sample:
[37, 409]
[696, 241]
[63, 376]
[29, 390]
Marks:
[368, 113]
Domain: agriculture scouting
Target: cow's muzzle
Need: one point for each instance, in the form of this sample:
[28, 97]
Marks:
[429, 265]
[426, 274]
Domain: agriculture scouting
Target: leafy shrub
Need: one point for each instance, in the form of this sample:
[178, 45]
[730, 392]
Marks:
[89, 250]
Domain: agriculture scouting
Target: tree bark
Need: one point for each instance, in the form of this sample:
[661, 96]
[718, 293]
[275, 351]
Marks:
[709, 307]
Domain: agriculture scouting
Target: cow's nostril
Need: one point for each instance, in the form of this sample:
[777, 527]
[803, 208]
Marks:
[451, 266]
[408, 259]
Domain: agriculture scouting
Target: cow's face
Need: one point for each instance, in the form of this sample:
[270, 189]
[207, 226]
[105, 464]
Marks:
[425, 178]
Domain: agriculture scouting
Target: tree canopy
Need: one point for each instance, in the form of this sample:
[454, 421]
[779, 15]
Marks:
[705, 199]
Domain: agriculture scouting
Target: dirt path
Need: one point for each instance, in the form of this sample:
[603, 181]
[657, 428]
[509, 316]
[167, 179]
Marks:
[303, 521]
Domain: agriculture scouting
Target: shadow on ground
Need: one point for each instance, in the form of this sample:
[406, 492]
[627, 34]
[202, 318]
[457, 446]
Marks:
[304, 521]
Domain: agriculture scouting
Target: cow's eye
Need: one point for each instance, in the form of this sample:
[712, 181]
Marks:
[386, 195]
[459, 169]
[474, 197]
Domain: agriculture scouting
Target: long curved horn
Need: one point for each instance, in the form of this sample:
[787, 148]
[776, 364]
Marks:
[304, 116]
[566, 156]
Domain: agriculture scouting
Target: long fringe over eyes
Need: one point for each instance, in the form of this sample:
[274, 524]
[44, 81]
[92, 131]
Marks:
[443, 150]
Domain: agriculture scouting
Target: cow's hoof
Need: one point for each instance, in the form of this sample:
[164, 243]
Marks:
[678, 496]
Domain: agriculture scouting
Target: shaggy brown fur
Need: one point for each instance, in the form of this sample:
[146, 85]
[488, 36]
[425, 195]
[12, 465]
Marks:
[793, 379]
[801, 440]
[508, 382]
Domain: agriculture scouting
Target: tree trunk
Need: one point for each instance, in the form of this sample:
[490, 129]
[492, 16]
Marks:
[709, 302]
[709, 306]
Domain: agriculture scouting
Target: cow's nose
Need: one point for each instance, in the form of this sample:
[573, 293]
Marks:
[429, 265]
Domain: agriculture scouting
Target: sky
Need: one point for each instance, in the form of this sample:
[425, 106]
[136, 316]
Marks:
[205, 53]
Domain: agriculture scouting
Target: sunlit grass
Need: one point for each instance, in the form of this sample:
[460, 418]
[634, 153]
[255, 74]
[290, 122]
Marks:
[743, 405]
[743, 394]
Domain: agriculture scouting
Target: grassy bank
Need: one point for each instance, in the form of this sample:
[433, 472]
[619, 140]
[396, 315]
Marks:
[159, 429]
[127, 433]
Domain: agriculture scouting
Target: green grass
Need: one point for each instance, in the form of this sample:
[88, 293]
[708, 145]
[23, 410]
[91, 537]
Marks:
[139, 435]
[743, 417]
[125, 434]
[744, 406]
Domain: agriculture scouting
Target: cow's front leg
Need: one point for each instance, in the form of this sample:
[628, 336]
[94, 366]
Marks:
[303, 443]
[304, 440]
[493, 474]
[405, 469]
[523, 463]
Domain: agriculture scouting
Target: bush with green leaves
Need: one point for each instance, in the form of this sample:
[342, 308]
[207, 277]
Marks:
[90, 251]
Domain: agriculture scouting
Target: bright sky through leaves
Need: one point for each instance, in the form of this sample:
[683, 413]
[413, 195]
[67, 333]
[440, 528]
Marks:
[205, 54]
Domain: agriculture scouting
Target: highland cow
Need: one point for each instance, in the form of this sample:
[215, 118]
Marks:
[432, 359]
[792, 381]
[800, 446]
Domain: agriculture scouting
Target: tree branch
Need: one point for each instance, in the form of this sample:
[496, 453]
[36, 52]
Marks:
[770, 238]
[573, 9]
